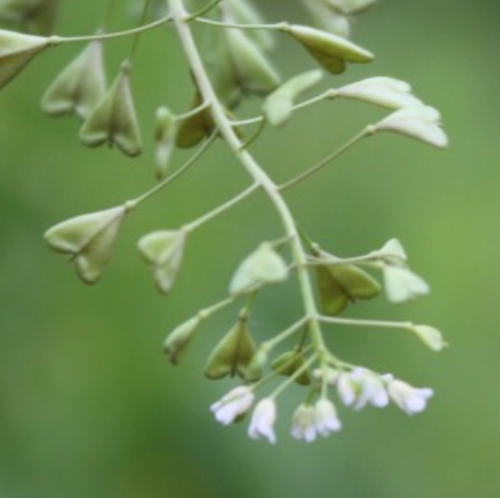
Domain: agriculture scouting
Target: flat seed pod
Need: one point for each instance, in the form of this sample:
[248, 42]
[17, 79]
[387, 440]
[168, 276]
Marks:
[263, 266]
[80, 86]
[340, 285]
[113, 120]
[278, 106]
[331, 51]
[89, 239]
[16, 50]
[254, 73]
[163, 250]
[233, 354]
[290, 362]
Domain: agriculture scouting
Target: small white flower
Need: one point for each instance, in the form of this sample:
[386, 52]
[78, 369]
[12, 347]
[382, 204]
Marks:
[326, 417]
[382, 91]
[234, 403]
[372, 391]
[402, 285]
[410, 399]
[263, 418]
[304, 423]
[348, 388]
[422, 123]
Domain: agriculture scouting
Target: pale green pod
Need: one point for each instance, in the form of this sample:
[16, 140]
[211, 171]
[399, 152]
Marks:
[90, 239]
[263, 266]
[289, 363]
[165, 135]
[254, 73]
[430, 336]
[233, 354]
[244, 12]
[163, 250]
[16, 50]
[80, 86]
[195, 128]
[278, 106]
[114, 120]
[328, 17]
[351, 6]
[331, 51]
[340, 285]
[177, 341]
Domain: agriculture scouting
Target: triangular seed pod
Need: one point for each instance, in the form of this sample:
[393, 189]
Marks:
[80, 86]
[163, 250]
[195, 128]
[90, 239]
[114, 119]
[16, 50]
[331, 51]
[233, 354]
[177, 341]
[290, 362]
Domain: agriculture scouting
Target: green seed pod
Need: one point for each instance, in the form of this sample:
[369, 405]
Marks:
[163, 250]
[36, 16]
[80, 86]
[233, 354]
[263, 266]
[290, 362]
[16, 50]
[177, 341]
[278, 106]
[340, 285]
[257, 363]
[89, 239]
[165, 134]
[328, 17]
[195, 128]
[253, 72]
[114, 119]
[331, 51]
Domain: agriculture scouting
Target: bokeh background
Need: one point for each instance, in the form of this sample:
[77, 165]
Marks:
[88, 405]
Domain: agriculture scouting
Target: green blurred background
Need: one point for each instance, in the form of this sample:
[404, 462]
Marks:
[88, 405]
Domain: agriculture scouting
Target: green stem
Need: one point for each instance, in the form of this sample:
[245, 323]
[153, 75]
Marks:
[202, 11]
[133, 203]
[366, 323]
[190, 227]
[135, 41]
[281, 26]
[251, 166]
[293, 377]
[324, 162]
[270, 344]
[56, 40]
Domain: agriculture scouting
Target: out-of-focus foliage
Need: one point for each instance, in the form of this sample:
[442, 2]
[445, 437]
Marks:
[88, 404]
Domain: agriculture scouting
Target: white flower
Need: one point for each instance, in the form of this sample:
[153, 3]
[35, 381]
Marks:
[402, 285]
[326, 417]
[410, 399]
[234, 403]
[347, 387]
[263, 419]
[304, 423]
[361, 387]
[422, 123]
[382, 91]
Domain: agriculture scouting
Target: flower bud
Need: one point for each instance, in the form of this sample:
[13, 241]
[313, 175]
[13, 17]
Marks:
[177, 341]
[80, 86]
[289, 363]
[166, 131]
[89, 239]
[331, 51]
[163, 250]
[113, 120]
[278, 106]
[263, 266]
[340, 285]
[263, 419]
[16, 50]
[430, 336]
[421, 123]
[233, 354]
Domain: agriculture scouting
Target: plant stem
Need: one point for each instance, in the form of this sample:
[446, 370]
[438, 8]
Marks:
[324, 162]
[366, 323]
[56, 40]
[281, 26]
[251, 166]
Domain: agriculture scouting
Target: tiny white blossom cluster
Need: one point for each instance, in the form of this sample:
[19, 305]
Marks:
[356, 388]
